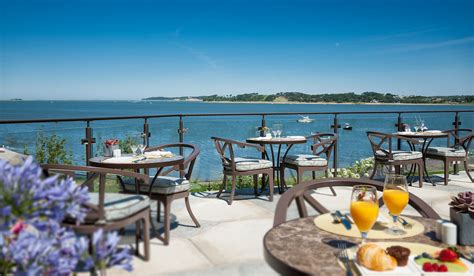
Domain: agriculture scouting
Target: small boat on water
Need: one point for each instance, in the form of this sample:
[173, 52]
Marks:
[347, 126]
[305, 119]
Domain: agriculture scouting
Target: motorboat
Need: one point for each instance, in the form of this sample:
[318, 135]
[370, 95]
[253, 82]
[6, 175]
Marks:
[347, 126]
[305, 119]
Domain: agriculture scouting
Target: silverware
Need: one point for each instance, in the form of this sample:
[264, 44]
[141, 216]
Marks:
[140, 159]
[405, 223]
[335, 218]
[342, 255]
[344, 221]
[349, 217]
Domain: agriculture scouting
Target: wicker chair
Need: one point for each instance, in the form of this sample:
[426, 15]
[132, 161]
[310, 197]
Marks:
[302, 193]
[165, 188]
[238, 166]
[384, 154]
[455, 152]
[322, 143]
[109, 211]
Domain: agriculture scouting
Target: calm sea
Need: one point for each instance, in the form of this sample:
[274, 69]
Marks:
[353, 144]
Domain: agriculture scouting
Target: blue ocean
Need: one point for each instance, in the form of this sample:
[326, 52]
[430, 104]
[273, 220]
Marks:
[353, 144]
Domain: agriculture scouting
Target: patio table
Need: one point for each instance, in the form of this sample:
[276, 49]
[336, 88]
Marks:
[149, 163]
[298, 247]
[288, 141]
[427, 137]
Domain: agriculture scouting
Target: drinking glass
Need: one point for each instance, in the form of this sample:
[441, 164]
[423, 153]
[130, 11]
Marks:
[364, 208]
[274, 132]
[141, 148]
[395, 197]
[278, 129]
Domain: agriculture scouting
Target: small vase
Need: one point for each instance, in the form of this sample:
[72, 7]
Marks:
[465, 223]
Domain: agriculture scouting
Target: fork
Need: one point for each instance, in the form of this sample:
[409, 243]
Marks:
[342, 255]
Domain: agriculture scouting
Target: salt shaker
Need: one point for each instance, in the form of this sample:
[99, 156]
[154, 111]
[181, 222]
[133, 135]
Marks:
[449, 233]
[439, 225]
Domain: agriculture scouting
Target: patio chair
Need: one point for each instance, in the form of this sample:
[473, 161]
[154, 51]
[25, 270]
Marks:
[165, 188]
[237, 166]
[456, 152]
[301, 194]
[108, 211]
[384, 154]
[322, 143]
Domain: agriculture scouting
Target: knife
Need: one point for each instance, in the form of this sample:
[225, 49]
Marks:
[344, 221]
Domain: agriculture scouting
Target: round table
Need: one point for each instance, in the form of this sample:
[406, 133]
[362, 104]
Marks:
[299, 247]
[427, 137]
[288, 141]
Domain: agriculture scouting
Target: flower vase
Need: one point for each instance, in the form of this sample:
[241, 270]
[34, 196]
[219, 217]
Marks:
[465, 224]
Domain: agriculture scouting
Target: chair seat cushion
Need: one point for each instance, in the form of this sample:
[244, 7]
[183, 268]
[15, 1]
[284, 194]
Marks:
[163, 185]
[400, 155]
[119, 206]
[250, 164]
[444, 151]
[305, 160]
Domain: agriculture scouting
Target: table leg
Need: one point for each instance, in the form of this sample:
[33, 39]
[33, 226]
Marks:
[424, 147]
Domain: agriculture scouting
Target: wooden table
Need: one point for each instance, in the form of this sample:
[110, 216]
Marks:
[149, 163]
[427, 138]
[298, 247]
[288, 141]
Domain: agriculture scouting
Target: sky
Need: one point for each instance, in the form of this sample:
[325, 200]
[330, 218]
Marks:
[117, 50]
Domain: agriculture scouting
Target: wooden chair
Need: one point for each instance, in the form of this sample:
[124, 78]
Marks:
[165, 188]
[109, 211]
[237, 166]
[384, 154]
[322, 143]
[302, 193]
[455, 152]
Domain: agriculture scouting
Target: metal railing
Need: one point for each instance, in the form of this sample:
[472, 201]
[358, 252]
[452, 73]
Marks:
[89, 140]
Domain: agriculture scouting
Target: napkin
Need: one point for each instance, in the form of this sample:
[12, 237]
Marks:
[158, 154]
[117, 160]
[433, 131]
[296, 137]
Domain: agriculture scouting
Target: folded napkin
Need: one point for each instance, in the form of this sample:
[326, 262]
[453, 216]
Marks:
[296, 137]
[433, 131]
[118, 160]
[260, 138]
[158, 154]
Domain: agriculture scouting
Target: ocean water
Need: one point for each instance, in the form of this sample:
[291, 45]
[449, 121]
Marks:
[353, 145]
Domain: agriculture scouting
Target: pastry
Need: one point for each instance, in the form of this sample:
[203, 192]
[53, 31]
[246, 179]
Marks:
[400, 253]
[375, 258]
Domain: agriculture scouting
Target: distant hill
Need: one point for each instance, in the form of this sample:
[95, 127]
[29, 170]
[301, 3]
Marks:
[366, 97]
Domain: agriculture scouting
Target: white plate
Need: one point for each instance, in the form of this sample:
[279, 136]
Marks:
[470, 272]
[409, 269]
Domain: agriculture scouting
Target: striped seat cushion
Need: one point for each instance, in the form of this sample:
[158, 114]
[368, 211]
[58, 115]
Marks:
[306, 160]
[163, 185]
[119, 206]
[250, 164]
[400, 155]
[444, 151]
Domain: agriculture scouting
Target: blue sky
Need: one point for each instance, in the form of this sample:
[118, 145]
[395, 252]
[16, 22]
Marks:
[133, 49]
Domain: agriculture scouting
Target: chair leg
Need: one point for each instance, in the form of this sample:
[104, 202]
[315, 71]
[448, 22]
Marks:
[374, 170]
[446, 172]
[224, 182]
[137, 237]
[190, 212]
[271, 185]
[232, 192]
[255, 185]
[466, 167]
[421, 173]
[167, 205]
[146, 236]
[314, 175]
[282, 178]
[158, 211]
[298, 177]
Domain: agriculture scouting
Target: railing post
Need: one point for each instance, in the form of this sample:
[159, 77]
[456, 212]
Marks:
[456, 124]
[264, 124]
[335, 126]
[399, 126]
[88, 141]
[146, 133]
[181, 131]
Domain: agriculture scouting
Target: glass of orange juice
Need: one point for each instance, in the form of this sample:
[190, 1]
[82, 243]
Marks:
[395, 197]
[364, 208]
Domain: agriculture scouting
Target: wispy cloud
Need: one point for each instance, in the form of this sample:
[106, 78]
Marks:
[200, 55]
[432, 45]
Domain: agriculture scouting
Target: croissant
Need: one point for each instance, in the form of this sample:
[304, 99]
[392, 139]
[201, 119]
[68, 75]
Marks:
[375, 258]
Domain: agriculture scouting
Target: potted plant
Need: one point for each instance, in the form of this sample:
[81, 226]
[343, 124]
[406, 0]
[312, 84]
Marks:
[462, 214]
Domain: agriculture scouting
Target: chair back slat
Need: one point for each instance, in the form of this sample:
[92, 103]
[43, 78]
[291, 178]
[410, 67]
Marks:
[301, 194]
[225, 149]
[184, 169]
[323, 143]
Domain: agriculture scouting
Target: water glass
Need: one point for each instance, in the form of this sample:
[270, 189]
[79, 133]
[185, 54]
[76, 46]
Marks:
[395, 197]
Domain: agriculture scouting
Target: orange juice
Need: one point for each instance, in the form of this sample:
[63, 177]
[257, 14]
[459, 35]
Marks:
[364, 214]
[396, 201]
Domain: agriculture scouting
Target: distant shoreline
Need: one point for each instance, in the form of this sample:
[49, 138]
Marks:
[332, 103]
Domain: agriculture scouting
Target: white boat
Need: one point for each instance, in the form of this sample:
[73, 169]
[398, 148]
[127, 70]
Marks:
[305, 119]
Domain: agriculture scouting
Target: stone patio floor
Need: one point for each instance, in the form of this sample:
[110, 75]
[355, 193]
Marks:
[230, 240]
